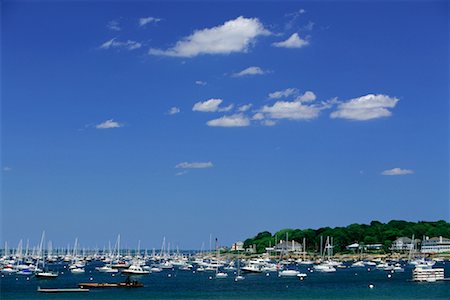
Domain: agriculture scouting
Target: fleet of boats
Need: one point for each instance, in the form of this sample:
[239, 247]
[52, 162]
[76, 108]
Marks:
[45, 263]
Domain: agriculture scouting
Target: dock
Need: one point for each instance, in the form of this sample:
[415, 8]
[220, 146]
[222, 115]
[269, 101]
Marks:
[132, 284]
[69, 290]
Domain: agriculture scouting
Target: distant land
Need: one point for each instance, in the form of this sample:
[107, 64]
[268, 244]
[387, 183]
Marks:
[373, 233]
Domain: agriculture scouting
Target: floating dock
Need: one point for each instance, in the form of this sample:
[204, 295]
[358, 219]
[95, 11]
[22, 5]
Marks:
[71, 290]
[131, 284]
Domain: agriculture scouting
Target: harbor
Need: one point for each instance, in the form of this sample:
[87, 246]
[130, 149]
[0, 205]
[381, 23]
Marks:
[175, 274]
[176, 283]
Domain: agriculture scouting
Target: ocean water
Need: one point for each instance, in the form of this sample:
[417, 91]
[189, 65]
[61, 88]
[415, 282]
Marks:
[351, 283]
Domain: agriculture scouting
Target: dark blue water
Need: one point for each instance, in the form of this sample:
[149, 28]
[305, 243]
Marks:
[176, 284]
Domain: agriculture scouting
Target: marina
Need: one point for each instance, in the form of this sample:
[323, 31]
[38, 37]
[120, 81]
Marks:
[225, 277]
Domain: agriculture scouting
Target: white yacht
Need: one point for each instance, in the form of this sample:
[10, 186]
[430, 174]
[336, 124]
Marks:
[221, 275]
[46, 274]
[358, 264]
[288, 273]
[76, 270]
[428, 274]
[324, 267]
[135, 269]
[107, 269]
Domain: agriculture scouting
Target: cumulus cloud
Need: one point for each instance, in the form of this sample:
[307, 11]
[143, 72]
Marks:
[292, 110]
[294, 41]
[114, 43]
[258, 116]
[174, 110]
[108, 124]
[233, 36]
[283, 93]
[194, 165]
[365, 107]
[199, 82]
[397, 171]
[147, 20]
[236, 120]
[211, 105]
[250, 71]
[308, 96]
[114, 25]
[244, 107]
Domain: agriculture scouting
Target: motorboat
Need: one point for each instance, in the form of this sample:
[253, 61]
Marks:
[136, 270]
[288, 273]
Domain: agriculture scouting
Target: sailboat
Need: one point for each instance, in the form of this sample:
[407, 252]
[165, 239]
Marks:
[44, 273]
[238, 277]
[107, 268]
[327, 266]
[288, 272]
[219, 275]
[304, 261]
[77, 266]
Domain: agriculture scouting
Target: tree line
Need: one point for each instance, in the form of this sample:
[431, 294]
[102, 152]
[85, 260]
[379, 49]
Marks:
[373, 233]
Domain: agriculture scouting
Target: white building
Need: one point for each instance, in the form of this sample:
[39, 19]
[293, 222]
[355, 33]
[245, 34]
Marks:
[238, 246]
[288, 246]
[435, 245]
[402, 244]
[353, 247]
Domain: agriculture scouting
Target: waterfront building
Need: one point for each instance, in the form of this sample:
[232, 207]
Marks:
[353, 247]
[238, 246]
[402, 244]
[435, 245]
[373, 246]
[288, 246]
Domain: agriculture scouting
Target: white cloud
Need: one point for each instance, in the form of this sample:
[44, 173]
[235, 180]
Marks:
[174, 110]
[283, 93]
[250, 71]
[233, 36]
[7, 169]
[226, 108]
[397, 171]
[199, 82]
[194, 165]
[291, 110]
[113, 43]
[244, 107]
[294, 41]
[146, 20]
[108, 124]
[181, 173]
[365, 108]
[211, 105]
[114, 25]
[308, 96]
[294, 16]
[258, 116]
[296, 13]
[236, 120]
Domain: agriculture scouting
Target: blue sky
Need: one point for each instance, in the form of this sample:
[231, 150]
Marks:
[186, 119]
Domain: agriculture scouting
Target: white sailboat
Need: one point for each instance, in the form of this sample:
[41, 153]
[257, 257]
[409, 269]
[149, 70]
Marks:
[238, 277]
[77, 267]
[44, 273]
[219, 275]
